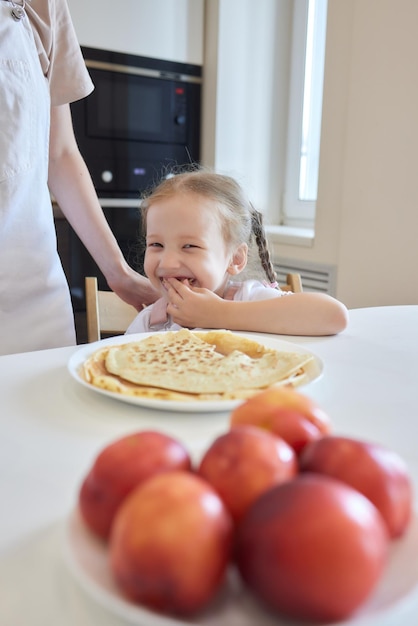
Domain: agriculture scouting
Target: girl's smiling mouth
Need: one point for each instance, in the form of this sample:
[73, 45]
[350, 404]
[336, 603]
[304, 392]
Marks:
[182, 279]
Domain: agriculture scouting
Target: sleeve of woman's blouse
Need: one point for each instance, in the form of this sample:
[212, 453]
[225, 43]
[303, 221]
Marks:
[59, 51]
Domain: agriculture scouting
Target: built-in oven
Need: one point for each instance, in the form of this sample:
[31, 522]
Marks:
[141, 122]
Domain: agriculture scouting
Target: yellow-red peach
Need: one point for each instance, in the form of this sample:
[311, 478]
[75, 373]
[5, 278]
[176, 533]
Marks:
[285, 412]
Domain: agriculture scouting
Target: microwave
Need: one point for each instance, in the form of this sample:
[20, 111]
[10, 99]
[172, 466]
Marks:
[141, 122]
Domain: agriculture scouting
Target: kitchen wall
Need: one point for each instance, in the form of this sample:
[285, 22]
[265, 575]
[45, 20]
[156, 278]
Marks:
[367, 214]
[367, 210]
[164, 29]
[245, 110]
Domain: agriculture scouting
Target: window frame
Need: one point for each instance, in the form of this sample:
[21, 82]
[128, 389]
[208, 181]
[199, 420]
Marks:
[298, 212]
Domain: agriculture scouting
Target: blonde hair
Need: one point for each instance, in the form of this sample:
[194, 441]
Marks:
[240, 221]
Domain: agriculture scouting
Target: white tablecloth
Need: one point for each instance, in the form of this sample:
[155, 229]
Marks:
[51, 428]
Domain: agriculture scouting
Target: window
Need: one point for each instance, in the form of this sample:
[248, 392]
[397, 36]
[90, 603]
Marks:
[305, 112]
[256, 126]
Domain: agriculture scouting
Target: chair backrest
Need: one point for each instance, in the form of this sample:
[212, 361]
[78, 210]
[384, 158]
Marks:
[293, 283]
[106, 312]
[109, 314]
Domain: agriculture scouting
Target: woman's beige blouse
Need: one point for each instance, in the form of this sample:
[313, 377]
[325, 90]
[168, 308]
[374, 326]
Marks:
[59, 50]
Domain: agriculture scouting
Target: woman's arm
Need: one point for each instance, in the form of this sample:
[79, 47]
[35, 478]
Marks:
[72, 187]
[293, 314]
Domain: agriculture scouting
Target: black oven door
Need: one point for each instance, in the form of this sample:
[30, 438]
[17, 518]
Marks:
[141, 122]
[132, 107]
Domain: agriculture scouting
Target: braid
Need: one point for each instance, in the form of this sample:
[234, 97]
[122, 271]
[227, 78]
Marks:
[261, 241]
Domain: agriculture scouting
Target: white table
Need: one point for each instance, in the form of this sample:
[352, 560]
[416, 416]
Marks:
[51, 428]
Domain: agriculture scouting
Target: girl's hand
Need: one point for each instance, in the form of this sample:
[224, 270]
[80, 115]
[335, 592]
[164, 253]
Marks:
[192, 307]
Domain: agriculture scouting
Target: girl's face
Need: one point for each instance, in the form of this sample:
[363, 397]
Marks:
[184, 241]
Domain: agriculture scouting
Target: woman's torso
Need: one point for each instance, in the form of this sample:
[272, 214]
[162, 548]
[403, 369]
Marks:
[35, 305]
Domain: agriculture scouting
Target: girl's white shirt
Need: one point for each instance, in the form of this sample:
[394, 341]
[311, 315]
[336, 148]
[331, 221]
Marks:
[246, 291]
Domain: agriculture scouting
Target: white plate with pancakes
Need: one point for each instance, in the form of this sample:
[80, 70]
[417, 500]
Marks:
[191, 371]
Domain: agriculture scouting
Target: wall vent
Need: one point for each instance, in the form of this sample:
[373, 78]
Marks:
[317, 277]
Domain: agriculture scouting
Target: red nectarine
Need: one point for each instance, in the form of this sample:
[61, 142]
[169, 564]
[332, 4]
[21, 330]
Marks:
[170, 543]
[285, 412]
[120, 467]
[377, 472]
[245, 461]
[312, 548]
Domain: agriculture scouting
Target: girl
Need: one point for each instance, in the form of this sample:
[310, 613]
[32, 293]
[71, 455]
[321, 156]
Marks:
[200, 229]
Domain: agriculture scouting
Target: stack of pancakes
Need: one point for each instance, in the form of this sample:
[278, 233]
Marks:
[185, 365]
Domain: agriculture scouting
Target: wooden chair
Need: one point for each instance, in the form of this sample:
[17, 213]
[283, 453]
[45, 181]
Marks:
[108, 314]
[293, 283]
